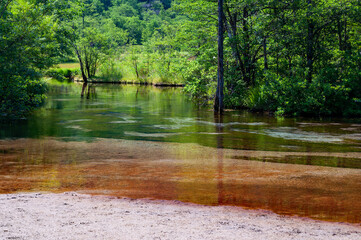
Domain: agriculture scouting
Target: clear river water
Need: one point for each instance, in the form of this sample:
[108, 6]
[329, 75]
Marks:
[148, 142]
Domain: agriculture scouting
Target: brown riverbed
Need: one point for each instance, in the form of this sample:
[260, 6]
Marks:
[184, 172]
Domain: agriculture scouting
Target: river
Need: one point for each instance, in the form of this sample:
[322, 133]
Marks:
[148, 142]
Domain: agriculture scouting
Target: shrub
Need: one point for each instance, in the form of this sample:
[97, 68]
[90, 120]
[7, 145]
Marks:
[110, 71]
[19, 96]
[294, 96]
[62, 74]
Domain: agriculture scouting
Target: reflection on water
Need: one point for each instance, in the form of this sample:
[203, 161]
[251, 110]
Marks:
[141, 141]
[139, 112]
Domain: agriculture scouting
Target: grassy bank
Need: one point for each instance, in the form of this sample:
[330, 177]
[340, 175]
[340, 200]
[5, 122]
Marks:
[130, 67]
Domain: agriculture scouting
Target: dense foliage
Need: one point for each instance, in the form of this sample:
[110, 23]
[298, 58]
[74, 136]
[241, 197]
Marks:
[294, 57]
[128, 40]
[28, 43]
[290, 57]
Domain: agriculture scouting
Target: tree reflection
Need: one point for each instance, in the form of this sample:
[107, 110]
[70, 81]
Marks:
[89, 91]
[218, 119]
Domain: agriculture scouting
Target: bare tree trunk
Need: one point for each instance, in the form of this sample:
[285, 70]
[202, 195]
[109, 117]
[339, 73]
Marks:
[310, 43]
[246, 49]
[85, 79]
[232, 34]
[218, 101]
[87, 63]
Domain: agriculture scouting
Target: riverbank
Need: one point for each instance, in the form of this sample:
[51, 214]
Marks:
[77, 216]
[157, 84]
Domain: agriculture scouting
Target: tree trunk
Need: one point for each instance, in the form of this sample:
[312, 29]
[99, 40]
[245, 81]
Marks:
[232, 34]
[218, 101]
[136, 68]
[85, 79]
[247, 48]
[310, 42]
[87, 64]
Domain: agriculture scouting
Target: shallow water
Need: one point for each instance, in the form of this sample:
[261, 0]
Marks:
[149, 142]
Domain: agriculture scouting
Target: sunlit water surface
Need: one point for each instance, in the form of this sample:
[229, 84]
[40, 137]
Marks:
[147, 142]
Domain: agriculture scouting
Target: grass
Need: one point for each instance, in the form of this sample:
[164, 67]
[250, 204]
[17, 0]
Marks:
[152, 69]
[69, 65]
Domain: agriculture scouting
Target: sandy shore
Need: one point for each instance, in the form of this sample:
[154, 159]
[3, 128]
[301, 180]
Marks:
[77, 216]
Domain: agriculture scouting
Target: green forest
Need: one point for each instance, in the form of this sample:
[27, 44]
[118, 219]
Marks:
[288, 58]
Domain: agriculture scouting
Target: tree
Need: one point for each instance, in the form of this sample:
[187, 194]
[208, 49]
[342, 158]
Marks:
[30, 42]
[298, 57]
[89, 42]
[90, 49]
[218, 101]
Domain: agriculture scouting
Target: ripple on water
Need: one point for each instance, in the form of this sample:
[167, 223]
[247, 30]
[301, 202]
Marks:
[290, 147]
[124, 122]
[181, 120]
[209, 133]
[114, 114]
[231, 123]
[254, 123]
[302, 135]
[307, 124]
[74, 121]
[351, 129]
[123, 116]
[354, 136]
[197, 121]
[156, 135]
[172, 127]
[62, 99]
[96, 104]
[193, 121]
[217, 124]
[77, 127]
[291, 133]
[315, 124]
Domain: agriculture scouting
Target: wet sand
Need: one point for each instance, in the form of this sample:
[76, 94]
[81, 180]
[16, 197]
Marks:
[77, 216]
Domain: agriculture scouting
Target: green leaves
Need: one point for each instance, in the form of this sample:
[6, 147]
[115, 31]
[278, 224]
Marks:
[28, 44]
